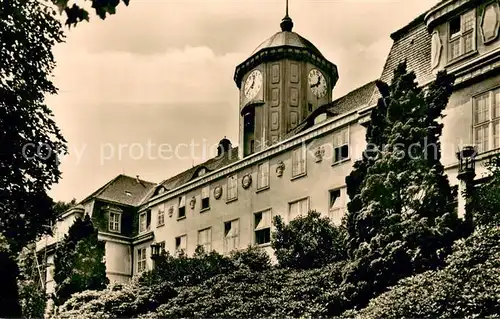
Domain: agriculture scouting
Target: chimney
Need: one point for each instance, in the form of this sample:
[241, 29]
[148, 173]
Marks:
[138, 180]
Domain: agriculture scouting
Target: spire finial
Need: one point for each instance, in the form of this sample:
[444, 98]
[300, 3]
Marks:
[287, 23]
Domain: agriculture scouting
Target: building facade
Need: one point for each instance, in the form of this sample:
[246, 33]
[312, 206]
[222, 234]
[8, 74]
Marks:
[296, 145]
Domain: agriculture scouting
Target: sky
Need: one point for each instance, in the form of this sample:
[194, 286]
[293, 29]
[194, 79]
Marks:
[149, 91]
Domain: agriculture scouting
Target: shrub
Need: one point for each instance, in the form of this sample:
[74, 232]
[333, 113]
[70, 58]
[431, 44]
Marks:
[252, 257]
[274, 293]
[468, 287]
[306, 242]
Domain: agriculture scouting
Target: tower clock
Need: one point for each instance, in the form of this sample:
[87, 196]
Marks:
[284, 80]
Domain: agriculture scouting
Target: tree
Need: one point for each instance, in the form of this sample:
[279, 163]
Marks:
[309, 241]
[486, 198]
[79, 261]
[30, 141]
[401, 219]
[31, 288]
[467, 287]
[76, 14]
[60, 207]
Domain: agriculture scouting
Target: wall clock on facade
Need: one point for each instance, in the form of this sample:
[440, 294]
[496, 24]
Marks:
[317, 83]
[253, 84]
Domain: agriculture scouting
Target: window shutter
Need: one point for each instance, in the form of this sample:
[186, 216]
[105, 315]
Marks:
[148, 219]
[265, 221]
[205, 192]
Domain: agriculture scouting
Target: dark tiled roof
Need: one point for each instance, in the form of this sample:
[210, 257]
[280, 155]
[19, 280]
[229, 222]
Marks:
[412, 44]
[125, 190]
[212, 164]
[286, 38]
[351, 101]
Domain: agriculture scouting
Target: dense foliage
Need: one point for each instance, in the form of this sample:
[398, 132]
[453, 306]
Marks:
[400, 218]
[486, 197]
[31, 284]
[9, 301]
[468, 287]
[170, 277]
[78, 263]
[309, 241]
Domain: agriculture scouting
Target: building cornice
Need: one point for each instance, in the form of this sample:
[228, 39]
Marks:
[143, 237]
[284, 52]
[302, 137]
[443, 10]
[116, 238]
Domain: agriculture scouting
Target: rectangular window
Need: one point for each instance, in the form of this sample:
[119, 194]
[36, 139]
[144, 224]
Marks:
[298, 162]
[181, 244]
[232, 187]
[161, 216]
[115, 220]
[262, 227]
[205, 239]
[205, 197]
[341, 145]
[182, 207]
[298, 208]
[462, 35]
[336, 206]
[486, 121]
[231, 235]
[162, 247]
[144, 221]
[263, 177]
[141, 259]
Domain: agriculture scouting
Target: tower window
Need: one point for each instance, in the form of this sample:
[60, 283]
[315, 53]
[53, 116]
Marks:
[310, 107]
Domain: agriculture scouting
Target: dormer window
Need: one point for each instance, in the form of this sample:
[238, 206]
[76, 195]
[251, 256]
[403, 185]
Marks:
[462, 35]
[129, 194]
[202, 171]
[320, 118]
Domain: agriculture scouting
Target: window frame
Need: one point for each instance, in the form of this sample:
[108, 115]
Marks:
[141, 262]
[339, 133]
[161, 213]
[235, 238]
[207, 244]
[179, 249]
[112, 221]
[338, 205]
[492, 96]
[303, 159]
[205, 200]
[295, 201]
[265, 228]
[146, 228]
[230, 179]
[267, 184]
[181, 207]
[460, 36]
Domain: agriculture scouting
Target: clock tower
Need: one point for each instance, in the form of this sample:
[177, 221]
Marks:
[284, 80]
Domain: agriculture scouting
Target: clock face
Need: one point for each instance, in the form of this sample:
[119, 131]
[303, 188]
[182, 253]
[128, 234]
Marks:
[317, 83]
[253, 84]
